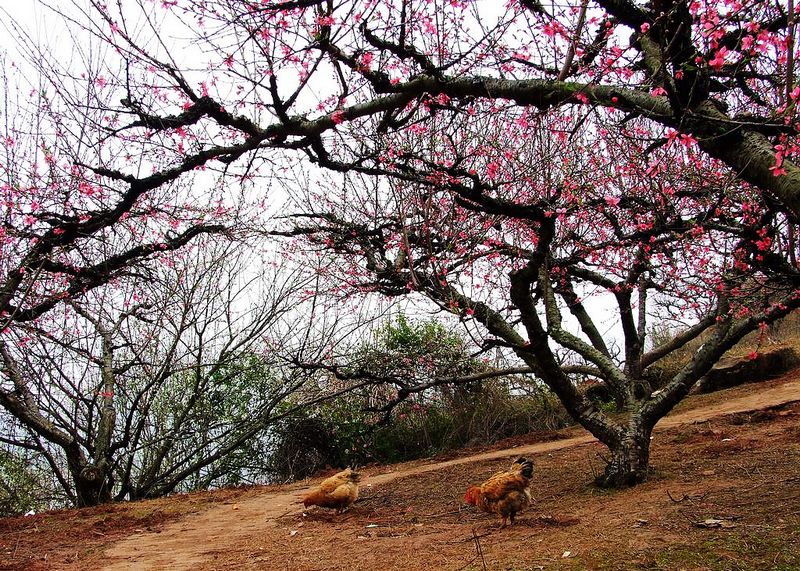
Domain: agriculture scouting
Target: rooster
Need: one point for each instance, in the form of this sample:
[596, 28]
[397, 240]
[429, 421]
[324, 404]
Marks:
[505, 493]
[337, 492]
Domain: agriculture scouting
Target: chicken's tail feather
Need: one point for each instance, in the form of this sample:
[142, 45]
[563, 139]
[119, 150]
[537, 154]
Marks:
[524, 466]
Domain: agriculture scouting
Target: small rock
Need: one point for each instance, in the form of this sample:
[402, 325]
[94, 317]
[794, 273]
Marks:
[714, 523]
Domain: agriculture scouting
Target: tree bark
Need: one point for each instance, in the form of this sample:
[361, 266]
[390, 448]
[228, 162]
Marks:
[630, 457]
[92, 484]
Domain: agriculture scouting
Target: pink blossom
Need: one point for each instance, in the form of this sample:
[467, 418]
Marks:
[338, 116]
[719, 58]
[777, 171]
[366, 61]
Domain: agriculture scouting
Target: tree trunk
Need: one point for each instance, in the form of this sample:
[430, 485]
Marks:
[630, 457]
[92, 481]
[92, 486]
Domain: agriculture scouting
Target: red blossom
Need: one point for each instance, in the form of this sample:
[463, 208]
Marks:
[338, 116]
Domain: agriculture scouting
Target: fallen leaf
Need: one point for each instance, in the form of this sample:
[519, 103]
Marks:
[566, 554]
[293, 533]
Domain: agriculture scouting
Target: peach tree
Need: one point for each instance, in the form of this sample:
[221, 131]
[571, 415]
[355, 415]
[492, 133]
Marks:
[508, 162]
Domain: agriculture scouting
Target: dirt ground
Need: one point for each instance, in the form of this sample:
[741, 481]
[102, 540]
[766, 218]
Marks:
[724, 494]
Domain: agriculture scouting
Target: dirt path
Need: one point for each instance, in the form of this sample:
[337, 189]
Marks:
[196, 541]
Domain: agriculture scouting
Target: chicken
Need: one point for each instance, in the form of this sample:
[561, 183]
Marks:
[505, 493]
[337, 492]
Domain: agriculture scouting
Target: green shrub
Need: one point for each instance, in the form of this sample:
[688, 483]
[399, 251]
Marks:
[356, 428]
[22, 485]
[341, 432]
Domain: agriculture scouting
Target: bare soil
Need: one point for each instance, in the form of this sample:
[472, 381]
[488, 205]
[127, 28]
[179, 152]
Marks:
[724, 494]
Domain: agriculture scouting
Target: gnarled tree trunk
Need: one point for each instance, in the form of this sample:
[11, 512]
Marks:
[630, 457]
[93, 485]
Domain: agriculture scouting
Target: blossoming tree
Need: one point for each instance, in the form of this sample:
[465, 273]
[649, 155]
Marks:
[524, 156]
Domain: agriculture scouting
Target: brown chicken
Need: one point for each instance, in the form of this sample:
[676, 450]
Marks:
[337, 492]
[505, 493]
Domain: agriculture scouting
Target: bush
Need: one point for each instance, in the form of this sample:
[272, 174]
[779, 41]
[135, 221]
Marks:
[342, 433]
[432, 419]
[22, 486]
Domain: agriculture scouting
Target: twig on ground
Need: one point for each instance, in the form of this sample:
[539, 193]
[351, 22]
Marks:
[16, 544]
[478, 548]
[451, 512]
[684, 498]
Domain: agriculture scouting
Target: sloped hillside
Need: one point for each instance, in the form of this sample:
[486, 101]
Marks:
[724, 494]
